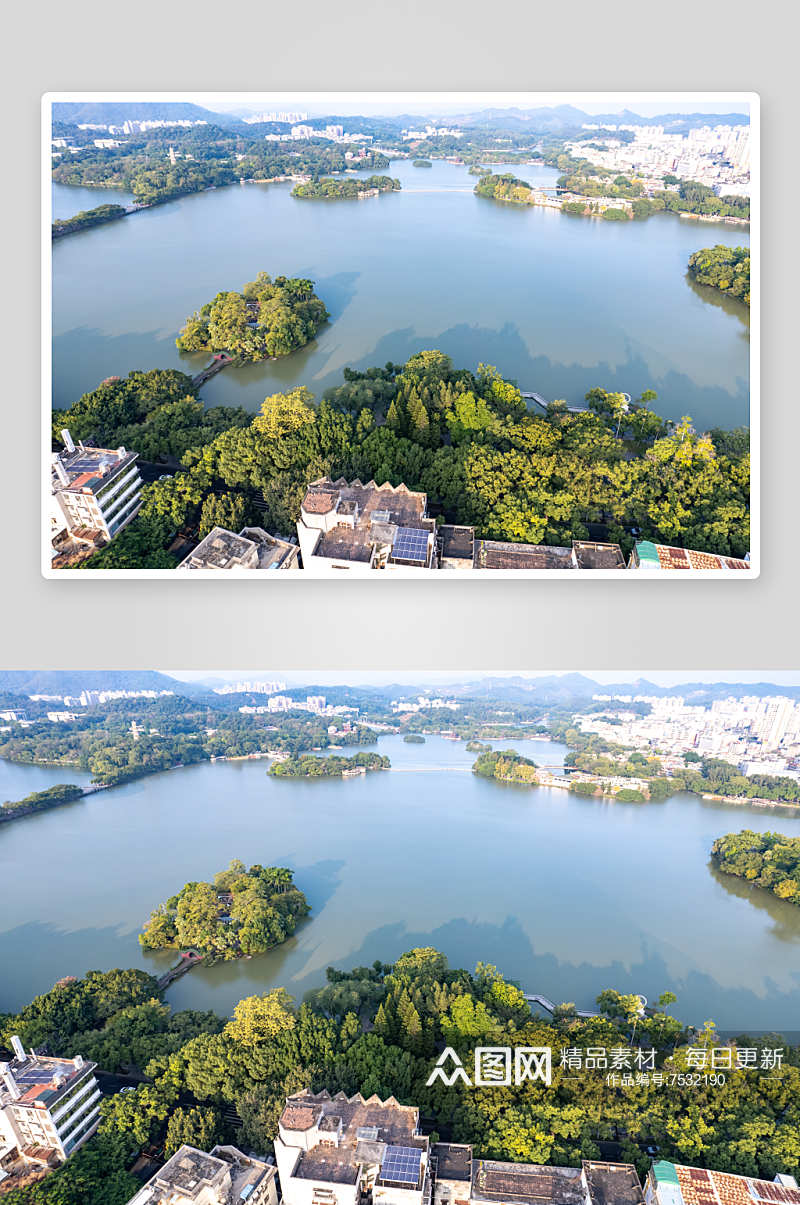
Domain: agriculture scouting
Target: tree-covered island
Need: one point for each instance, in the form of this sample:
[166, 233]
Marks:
[619, 199]
[87, 218]
[723, 268]
[767, 860]
[328, 187]
[39, 801]
[242, 912]
[268, 318]
[309, 766]
[508, 765]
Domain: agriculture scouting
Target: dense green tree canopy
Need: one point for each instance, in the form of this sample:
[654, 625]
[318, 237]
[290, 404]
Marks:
[768, 860]
[468, 441]
[724, 268]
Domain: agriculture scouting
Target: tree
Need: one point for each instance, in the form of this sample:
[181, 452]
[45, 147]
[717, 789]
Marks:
[259, 1019]
[285, 414]
[202, 1128]
[230, 511]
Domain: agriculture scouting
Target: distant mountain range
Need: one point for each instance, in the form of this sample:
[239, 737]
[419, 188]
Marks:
[72, 682]
[115, 113]
[545, 119]
[561, 688]
[552, 688]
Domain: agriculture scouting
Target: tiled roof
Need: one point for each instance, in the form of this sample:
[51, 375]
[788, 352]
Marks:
[298, 1118]
[319, 502]
[701, 1187]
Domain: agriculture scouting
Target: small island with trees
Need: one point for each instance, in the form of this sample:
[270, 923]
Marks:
[508, 765]
[767, 860]
[724, 268]
[87, 218]
[268, 318]
[328, 187]
[39, 801]
[309, 766]
[243, 912]
[413, 738]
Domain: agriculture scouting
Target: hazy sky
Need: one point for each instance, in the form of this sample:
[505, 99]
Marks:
[435, 677]
[646, 104]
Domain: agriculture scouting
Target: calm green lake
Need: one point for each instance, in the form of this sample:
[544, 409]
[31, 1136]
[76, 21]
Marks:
[557, 302]
[566, 894]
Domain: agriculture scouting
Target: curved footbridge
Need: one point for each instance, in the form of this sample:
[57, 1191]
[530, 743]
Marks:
[548, 1004]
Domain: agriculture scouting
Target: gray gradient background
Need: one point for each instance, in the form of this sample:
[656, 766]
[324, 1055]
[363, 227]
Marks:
[380, 44]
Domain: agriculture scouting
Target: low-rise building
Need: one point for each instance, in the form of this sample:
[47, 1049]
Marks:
[653, 558]
[611, 1183]
[494, 554]
[330, 1151]
[674, 1184]
[456, 546]
[364, 527]
[588, 554]
[451, 1165]
[495, 1183]
[225, 1177]
[47, 1104]
[95, 492]
[252, 548]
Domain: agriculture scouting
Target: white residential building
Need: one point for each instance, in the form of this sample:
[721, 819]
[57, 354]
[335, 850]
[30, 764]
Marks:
[191, 1177]
[253, 548]
[361, 528]
[95, 493]
[47, 1103]
[331, 1151]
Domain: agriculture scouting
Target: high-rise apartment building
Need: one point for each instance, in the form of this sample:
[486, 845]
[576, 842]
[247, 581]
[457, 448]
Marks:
[95, 493]
[47, 1104]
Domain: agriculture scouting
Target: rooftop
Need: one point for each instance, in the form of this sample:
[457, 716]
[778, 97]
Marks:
[88, 468]
[221, 549]
[40, 1078]
[345, 544]
[490, 554]
[663, 556]
[454, 1160]
[272, 552]
[403, 505]
[528, 1183]
[187, 1175]
[328, 1163]
[590, 555]
[612, 1183]
[457, 542]
[701, 1187]
[395, 1124]
[356, 518]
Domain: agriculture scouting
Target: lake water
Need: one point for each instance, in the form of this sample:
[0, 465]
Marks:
[566, 894]
[558, 303]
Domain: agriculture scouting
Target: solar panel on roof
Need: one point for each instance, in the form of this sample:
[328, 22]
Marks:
[34, 1076]
[401, 1165]
[411, 544]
